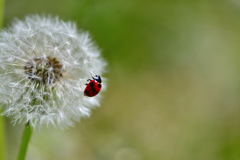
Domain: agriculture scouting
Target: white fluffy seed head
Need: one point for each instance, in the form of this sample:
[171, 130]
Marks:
[44, 64]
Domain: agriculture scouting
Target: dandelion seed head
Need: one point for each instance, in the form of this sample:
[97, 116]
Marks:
[44, 64]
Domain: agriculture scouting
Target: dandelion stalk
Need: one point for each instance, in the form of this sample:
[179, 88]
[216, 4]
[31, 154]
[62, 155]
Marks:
[2, 138]
[2, 122]
[25, 141]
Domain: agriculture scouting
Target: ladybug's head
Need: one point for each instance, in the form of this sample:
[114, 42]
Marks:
[98, 79]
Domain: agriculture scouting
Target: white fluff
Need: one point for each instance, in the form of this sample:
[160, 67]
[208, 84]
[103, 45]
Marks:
[58, 104]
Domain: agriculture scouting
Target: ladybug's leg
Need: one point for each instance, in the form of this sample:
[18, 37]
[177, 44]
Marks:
[86, 84]
[88, 79]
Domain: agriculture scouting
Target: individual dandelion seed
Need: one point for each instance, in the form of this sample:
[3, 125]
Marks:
[44, 64]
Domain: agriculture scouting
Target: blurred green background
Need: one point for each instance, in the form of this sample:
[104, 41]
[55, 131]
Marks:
[174, 83]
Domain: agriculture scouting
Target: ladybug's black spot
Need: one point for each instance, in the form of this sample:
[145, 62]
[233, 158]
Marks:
[93, 87]
[99, 85]
[92, 84]
[87, 93]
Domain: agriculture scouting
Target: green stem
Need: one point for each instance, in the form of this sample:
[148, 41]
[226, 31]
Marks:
[1, 12]
[2, 120]
[25, 141]
[2, 139]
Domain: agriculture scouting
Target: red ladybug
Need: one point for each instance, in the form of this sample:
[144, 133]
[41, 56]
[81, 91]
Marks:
[93, 87]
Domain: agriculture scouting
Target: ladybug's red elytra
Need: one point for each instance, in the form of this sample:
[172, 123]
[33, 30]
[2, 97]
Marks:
[93, 87]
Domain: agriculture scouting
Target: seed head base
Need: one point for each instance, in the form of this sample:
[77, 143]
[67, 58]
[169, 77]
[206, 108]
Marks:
[46, 70]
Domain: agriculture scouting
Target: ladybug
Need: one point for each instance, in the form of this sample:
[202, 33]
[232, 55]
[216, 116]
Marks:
[93, 87]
